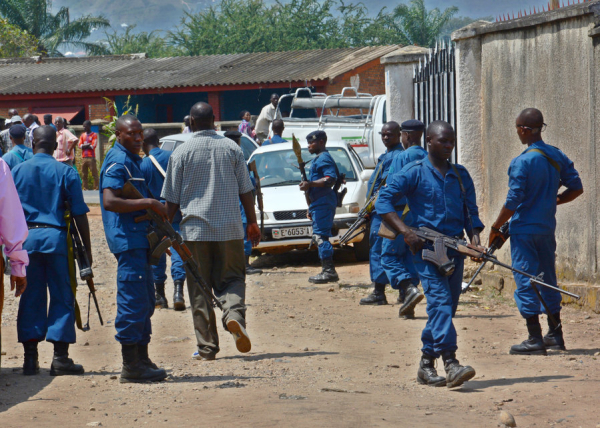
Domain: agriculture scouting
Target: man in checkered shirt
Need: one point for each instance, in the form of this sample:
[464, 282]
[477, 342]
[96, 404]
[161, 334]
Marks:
[206, 178]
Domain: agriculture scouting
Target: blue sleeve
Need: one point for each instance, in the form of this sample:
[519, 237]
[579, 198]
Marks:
[115, 177]
[328, 167]
[569, 177]
[517, 182]
[397, 164]
[75, 194]
[471, 203]
[146, 167]
[397, 188]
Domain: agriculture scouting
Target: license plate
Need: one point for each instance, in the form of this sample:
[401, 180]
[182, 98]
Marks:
[292, 232]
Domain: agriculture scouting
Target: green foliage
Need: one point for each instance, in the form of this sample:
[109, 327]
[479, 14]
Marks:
[109, 129]
[421, 26]
[129, 42]
[15, 42]
[454, 24]
[242, 26]
[53, 31]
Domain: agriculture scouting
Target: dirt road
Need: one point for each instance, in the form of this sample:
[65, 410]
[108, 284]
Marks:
[317, 359]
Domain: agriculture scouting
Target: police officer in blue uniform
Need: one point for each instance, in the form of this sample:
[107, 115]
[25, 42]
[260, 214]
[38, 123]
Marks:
[396, 258]
[154, 167]
[128, 242]
[236, 136]
[534, 178]
[48, 188]
[323, 201]
[20, 152]
[390, 134]
[441, 197]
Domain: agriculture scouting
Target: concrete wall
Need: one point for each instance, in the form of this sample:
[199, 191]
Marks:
[549, 61]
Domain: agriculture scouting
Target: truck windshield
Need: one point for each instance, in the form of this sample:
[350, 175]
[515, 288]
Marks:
[280, 168]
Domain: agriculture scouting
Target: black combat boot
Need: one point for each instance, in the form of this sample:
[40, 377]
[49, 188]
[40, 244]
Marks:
[178, 302]
[412, 296]
[534, 345]
[427, 374]
[554, 339]
[328, 274]
[62, 365]
[409, 315]
[161, 299]
[145, 358]
[30, 363]
[134, 371]
[250, 270]
[377, 297]
[456, 374]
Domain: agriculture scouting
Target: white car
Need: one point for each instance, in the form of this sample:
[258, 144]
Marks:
[286, 225]
[171, 142]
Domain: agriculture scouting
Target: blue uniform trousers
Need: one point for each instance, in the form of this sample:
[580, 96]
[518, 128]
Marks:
[442, 294]
[36, 321]
[397, 260]
[177, 271]
[534, 254]
[135, 297]
[375, 249]
[322, 212]
[247, 242]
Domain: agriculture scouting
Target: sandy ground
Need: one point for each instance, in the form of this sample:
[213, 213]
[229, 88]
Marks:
[317, 359]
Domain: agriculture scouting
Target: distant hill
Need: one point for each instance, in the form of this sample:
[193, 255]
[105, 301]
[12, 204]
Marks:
[149, 15]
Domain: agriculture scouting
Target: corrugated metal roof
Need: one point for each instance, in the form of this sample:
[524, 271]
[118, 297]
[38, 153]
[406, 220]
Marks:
[135, 72]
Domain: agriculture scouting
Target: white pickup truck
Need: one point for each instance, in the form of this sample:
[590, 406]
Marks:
[350, 117]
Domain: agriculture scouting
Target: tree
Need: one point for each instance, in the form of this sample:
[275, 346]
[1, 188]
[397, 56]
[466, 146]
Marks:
[420, 26]
[15, 42]
[454, 24]
[129, 42]
[53, 31]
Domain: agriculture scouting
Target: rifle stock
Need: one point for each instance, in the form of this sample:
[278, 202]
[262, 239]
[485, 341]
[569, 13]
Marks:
[165, 228]
[259, 198]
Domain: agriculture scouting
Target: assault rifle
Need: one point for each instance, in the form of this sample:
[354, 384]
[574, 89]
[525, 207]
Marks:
[439, 255]
[164, 236]
[85, 271]
[301, 164]
[259, 197]
[363, 218]
[496, 245]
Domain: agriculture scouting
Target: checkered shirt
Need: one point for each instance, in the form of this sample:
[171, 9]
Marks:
[206, 176]
[5, 143]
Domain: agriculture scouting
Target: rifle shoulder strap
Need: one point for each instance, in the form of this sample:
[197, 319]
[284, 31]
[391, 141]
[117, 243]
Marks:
[72, 271]
[552, 162]
[464, 193]
[14, 152]
[157, 165]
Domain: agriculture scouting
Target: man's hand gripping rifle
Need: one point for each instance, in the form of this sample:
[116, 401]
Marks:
[363, 218]
[85, 271]
[439, 255]
[164, 236]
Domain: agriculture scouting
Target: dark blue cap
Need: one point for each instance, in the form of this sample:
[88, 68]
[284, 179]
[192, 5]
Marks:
[316, 135]
[412, 125]
[17, 131]
[232, 134]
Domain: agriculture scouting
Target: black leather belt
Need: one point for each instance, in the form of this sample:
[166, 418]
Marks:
[43, 226]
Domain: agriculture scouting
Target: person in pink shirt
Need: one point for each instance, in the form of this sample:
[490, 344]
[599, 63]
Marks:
[65, 152]
[87, 143]
[13, 232]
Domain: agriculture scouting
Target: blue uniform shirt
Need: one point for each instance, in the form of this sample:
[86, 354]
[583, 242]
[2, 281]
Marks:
[44, 185]
[322, 166]
[435, 202]
[122, 232]
[413, 153]
[17, 155]
[534, 185]
[382, 169]
[276, 139]
[154, 178]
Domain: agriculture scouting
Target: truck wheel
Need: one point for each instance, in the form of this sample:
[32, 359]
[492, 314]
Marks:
[361, 249]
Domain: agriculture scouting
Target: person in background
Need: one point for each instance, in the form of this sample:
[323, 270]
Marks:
[153, 167]
[87, 143]
[29, 122]
[236, 136]
[2, 121]
[186, 125]
[278, 127]
[267, 115]
[4, 135]
[37, 122]
[19, 153]
[66, 141]
[48, 121]
[246, 127]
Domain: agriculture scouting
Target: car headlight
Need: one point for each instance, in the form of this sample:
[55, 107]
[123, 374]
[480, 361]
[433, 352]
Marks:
[258, 215]
[353, 208]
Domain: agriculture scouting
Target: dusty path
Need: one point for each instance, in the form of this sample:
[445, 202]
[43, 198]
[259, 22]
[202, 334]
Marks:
[318, 359]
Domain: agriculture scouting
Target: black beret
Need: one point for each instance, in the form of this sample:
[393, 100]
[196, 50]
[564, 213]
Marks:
[316, 135]
[233, 134]
[412, 125]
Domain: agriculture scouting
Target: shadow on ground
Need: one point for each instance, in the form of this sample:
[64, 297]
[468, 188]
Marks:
[17, 389]
[275, 356]
[478, 385]
[302, 258]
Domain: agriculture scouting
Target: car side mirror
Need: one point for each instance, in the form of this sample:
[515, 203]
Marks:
[366, 174]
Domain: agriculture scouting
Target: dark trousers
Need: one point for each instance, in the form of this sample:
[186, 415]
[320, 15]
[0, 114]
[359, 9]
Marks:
[223, 267]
